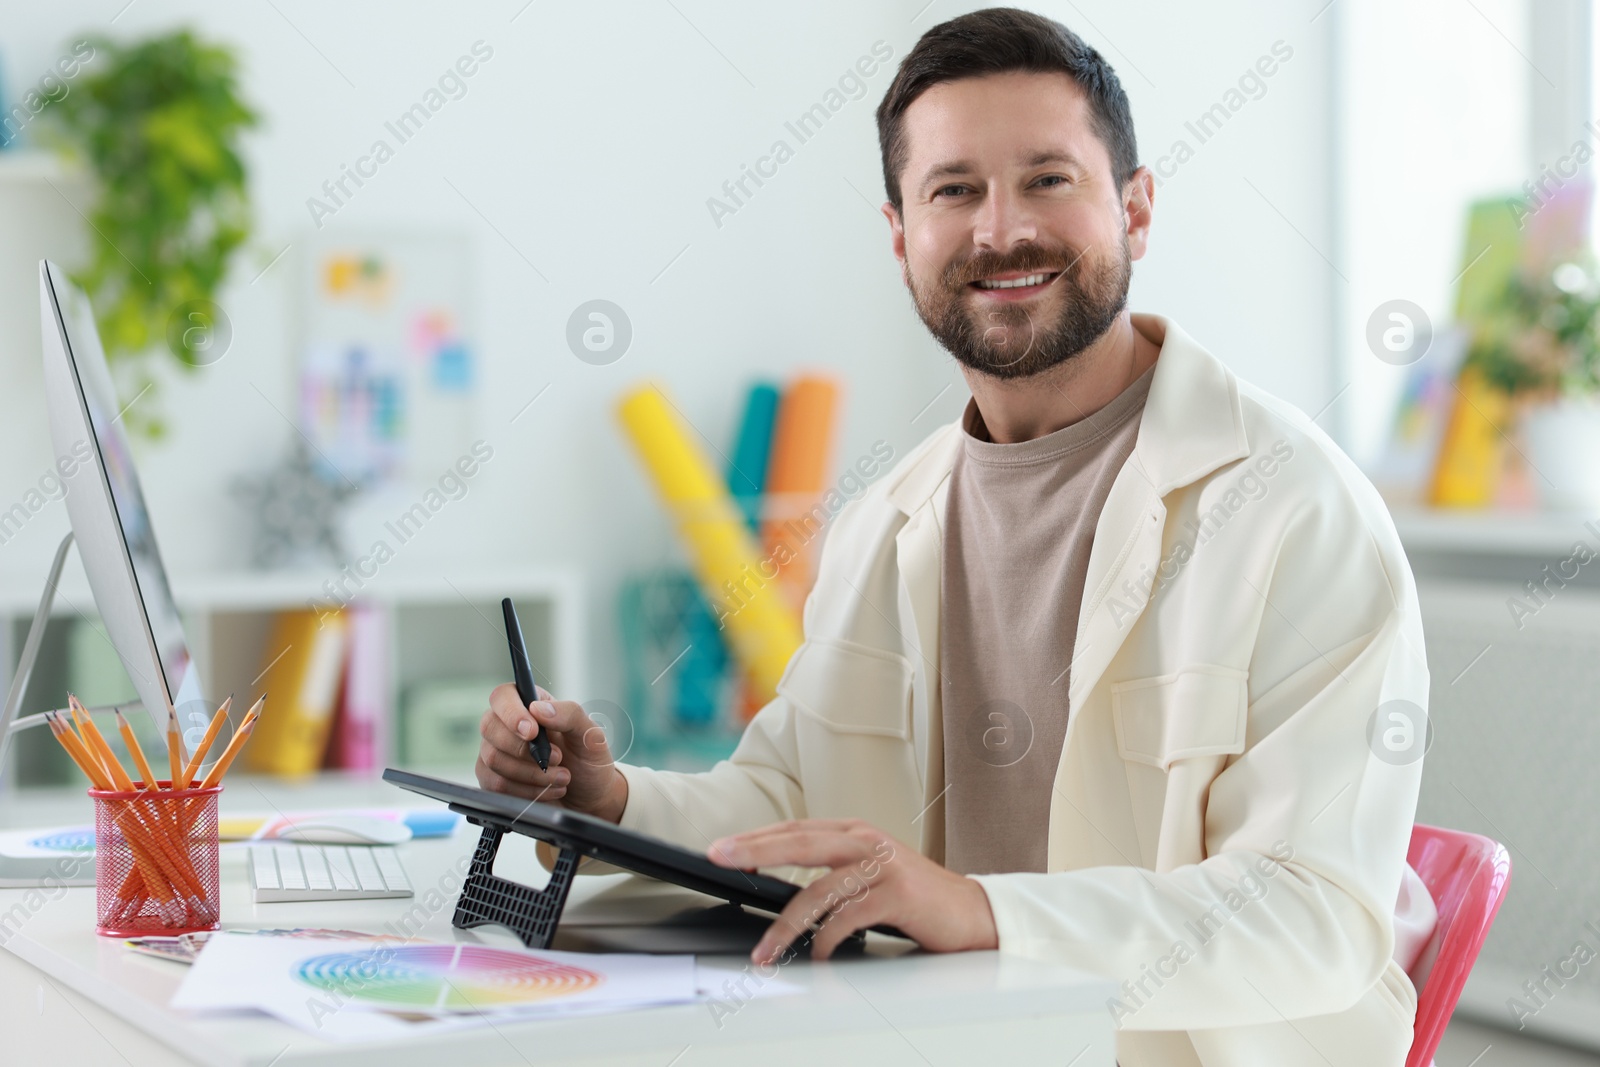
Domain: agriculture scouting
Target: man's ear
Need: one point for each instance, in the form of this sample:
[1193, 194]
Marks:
[897, 236]
[1138, 207]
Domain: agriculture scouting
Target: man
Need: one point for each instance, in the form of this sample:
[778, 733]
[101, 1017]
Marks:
[1091, 676]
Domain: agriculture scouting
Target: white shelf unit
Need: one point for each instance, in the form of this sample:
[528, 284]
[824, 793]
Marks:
[441, 627]
[1500, 533]
[34, 165]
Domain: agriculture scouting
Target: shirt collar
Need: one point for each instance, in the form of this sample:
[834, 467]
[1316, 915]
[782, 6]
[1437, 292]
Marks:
[1192, 423]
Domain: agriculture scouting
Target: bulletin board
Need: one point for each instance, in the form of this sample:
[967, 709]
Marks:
[388, 376]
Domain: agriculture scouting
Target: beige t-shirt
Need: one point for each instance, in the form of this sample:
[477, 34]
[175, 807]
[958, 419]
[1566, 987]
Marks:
[1018, 526]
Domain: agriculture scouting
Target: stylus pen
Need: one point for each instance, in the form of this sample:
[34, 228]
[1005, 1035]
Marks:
[539, 746]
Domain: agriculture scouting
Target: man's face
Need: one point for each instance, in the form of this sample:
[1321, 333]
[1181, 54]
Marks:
[1013, 236]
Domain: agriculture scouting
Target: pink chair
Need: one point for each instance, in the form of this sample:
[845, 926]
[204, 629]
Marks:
[1467, 876]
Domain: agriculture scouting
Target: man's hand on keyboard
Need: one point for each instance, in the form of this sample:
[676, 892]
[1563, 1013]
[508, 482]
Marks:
[582, 775]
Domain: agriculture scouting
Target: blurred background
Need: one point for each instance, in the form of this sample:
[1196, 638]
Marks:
[412, 307]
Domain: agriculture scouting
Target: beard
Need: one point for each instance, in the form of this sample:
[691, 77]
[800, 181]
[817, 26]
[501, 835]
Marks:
[1021, 339]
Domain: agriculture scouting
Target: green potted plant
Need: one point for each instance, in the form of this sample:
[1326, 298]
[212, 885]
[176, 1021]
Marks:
[1542, 347]
[158, 122]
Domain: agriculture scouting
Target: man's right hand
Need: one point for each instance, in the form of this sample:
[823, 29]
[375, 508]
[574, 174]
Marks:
[582, 775]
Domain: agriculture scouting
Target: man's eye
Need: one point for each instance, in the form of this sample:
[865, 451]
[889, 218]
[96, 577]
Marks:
[1052, 179]
[951, 189]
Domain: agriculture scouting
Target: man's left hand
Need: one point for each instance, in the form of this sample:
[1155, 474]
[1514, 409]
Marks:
[873, 879]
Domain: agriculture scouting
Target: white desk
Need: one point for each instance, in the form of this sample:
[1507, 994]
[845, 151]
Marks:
[70, 997]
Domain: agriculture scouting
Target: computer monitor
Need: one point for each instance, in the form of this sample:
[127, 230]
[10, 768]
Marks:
[109, 519]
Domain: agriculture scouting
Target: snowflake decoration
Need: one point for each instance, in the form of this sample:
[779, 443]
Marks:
[295, 511]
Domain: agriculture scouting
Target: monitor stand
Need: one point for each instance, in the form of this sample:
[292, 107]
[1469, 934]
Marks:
[75, 868]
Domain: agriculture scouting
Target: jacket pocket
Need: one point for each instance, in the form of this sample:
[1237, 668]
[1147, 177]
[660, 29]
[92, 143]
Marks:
[852, 688]
[1199, 711]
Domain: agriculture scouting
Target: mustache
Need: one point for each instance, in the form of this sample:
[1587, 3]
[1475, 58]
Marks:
[1031, 259]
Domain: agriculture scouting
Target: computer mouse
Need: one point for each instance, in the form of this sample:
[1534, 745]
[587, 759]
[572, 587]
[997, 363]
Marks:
[346, 830]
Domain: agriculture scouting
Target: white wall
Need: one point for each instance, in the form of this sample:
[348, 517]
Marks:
[591, 142]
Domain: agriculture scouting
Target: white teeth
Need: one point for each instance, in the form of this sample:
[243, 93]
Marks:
[1013, 283]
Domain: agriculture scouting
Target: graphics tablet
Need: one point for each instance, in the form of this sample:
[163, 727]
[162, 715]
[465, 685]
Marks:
[607, 842]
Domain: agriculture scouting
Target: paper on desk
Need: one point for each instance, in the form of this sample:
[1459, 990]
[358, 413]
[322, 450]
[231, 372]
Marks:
[185, 948]
[732, 981]
[354, 992]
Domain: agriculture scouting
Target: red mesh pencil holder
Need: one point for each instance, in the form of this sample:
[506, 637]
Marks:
[155, 861]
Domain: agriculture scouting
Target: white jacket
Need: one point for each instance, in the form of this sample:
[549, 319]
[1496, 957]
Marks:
[1222, 839]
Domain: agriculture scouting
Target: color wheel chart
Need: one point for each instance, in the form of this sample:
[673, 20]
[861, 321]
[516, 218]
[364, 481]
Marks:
[69, 841]
[444, 977]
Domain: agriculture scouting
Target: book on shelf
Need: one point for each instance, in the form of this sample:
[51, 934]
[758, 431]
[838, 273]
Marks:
[358, 740]
[305, 661]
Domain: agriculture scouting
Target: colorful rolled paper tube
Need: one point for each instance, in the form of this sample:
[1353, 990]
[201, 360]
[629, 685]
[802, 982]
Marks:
[703, 665]
[796, 472]
[747, 467]
[738, 583]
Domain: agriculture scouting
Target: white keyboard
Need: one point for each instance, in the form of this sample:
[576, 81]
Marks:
[281, 872]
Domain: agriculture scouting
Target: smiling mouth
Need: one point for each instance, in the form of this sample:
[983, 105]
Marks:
[1029, 281]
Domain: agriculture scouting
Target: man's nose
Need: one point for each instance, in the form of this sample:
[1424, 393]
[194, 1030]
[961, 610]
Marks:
[1003, 221]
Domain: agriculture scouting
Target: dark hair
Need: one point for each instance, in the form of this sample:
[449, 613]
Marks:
[999, 40]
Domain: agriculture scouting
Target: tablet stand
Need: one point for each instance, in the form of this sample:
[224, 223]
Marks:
[531, 914]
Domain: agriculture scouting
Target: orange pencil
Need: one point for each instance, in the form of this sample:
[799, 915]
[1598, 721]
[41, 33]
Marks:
[149, 874]
[74, 748]
[174, 747]
[146, 774]
[211, 735]
[108, 759]
[232, 751]
[168, 820]
[78, 720]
